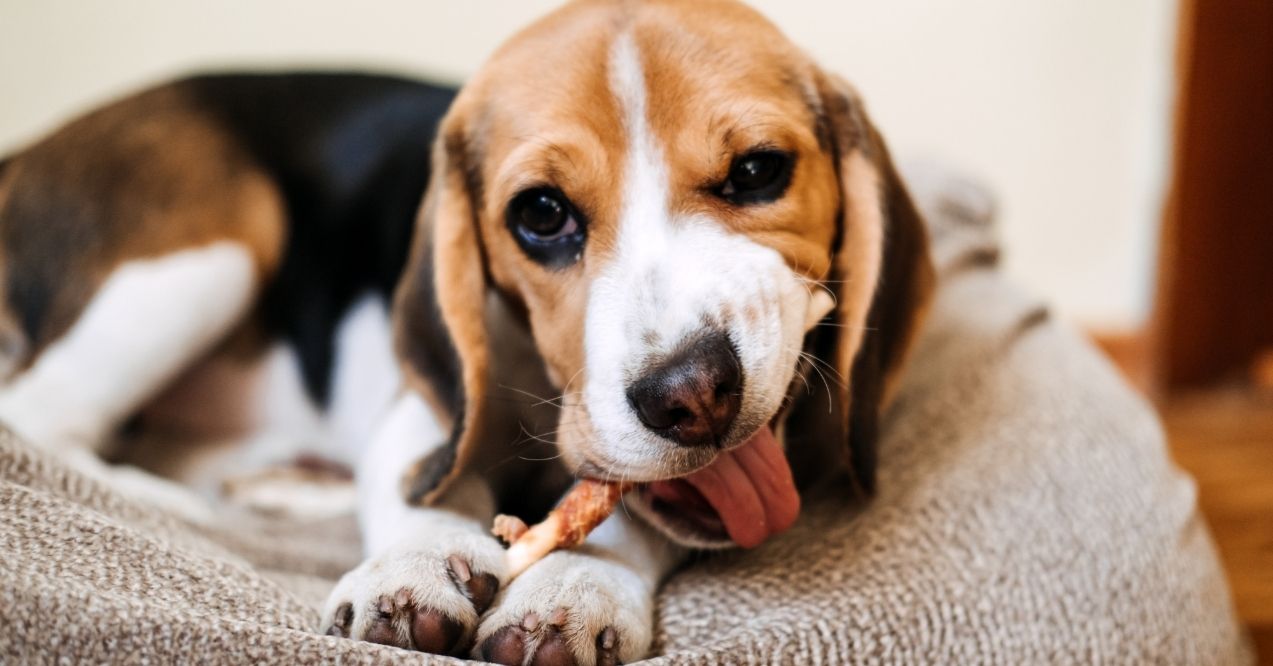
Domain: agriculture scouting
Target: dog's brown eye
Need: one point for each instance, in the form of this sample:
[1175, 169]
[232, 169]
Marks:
[757, 177]
[546, 226]
[544, 215]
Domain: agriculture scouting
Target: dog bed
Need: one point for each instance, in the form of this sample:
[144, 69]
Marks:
[1027, 513]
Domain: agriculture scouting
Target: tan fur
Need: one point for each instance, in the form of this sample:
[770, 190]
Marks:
[115, 169]
[858, 264]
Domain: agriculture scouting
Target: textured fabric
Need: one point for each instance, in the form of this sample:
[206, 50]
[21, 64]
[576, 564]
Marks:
[1027, 513]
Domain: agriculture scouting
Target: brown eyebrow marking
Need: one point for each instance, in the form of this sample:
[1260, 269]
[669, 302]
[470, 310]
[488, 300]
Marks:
[551, 147]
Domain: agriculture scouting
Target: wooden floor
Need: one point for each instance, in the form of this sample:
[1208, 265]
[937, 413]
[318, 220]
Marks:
[1225, 439]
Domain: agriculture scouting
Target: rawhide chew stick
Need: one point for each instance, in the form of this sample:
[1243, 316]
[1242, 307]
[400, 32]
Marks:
[567, 525]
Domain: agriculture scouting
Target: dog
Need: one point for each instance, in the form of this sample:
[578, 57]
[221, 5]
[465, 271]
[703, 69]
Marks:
[658, 243]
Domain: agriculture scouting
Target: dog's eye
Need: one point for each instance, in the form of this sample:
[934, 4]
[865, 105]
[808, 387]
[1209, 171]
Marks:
[543, 215]
[546, 226]
[757, 177]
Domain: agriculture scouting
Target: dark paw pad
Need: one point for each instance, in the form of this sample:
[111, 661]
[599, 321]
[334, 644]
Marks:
[506, 646]
[509, 645]
[397, 621]
[553, 650]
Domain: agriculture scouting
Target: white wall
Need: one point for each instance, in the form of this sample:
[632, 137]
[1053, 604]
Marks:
[1060, 105]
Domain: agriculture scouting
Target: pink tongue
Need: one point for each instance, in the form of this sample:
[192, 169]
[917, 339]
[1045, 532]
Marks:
[751, 489]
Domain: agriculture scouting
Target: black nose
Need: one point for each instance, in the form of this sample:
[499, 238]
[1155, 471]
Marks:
[692, 396]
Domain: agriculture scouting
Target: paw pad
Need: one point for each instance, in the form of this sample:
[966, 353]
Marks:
[510, 644]
[406, 620]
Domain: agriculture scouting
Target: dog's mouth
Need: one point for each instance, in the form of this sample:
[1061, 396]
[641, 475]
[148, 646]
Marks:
[744, 496]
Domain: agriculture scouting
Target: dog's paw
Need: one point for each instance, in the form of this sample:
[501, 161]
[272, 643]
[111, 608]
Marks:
[425, 597]
[570, 608]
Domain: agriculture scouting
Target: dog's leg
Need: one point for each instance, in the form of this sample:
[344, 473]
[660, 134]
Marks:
[430, 572]
[592, 605]
[148, 321]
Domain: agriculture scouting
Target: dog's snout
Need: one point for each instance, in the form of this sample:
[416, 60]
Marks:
[693, 395]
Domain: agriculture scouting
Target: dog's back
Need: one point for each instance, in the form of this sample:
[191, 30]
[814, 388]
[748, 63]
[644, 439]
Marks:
[246, 208]
[345, 157]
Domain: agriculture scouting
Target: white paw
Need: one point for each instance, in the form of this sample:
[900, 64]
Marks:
[425, 594]
[572, 607]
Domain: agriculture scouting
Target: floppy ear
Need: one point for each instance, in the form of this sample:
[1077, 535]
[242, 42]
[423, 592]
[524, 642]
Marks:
[439, 329]
[883, 279]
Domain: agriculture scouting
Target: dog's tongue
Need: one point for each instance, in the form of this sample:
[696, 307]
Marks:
[751, 489]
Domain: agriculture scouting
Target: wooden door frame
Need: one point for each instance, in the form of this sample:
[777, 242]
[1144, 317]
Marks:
[1214, 305]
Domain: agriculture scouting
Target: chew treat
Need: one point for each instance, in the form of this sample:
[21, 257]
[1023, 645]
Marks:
[508, 528]
[567, 525]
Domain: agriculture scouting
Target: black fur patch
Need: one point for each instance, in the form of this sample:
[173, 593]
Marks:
[423, 338]
[350, 154]
[425, 343]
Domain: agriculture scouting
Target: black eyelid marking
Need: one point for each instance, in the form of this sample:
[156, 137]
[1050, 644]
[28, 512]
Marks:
[783, 164]
[555, 251]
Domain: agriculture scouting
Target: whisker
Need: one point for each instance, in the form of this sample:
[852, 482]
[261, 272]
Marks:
[830, 396]
[810, 285]
[549, 458]
[542, 400]
[829, 368]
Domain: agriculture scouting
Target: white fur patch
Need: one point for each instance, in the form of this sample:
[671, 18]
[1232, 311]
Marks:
[407, 433]
[365, 376]
[671, 278]
[147, 322]
[364, 381]
[408, 547]
[253, 418]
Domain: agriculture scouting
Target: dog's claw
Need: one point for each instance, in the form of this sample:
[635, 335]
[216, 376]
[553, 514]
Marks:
[607, 642]
[479, 589]
[340, 622]
[381, 630]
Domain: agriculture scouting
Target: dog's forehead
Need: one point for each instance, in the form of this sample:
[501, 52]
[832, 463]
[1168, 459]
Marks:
[557, 105]
[705, 65]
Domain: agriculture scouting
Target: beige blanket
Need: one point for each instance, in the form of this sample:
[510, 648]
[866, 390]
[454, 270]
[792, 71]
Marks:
[1027, 513]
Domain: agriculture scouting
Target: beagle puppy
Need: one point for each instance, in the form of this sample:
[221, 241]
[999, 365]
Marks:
[703, 239]
[658, 245]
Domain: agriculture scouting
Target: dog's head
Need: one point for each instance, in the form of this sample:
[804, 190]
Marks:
[707, 240]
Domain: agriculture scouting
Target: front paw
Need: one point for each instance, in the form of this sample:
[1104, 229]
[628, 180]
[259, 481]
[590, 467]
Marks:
[570, 608]
[425, 597]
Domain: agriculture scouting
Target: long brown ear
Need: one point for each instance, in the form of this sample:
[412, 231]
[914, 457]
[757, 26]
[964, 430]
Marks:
[439, 327]
[883, 280]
